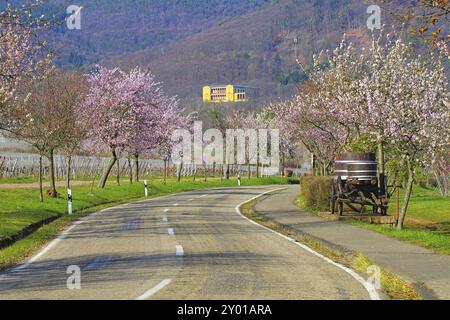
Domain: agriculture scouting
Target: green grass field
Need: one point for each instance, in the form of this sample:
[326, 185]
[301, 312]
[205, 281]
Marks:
[18, 180]
[427, 207]
[20, 207]
[427, 222]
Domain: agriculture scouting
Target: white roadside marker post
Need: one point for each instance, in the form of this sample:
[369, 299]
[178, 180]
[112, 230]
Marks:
[239, 179]
[146, 188]
[69, 201]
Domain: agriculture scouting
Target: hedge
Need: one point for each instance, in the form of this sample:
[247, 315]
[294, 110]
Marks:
[315, 192]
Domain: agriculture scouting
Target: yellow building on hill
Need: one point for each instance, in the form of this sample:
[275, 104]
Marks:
[227, 93]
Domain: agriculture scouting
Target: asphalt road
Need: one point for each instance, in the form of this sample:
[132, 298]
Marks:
[192, 245]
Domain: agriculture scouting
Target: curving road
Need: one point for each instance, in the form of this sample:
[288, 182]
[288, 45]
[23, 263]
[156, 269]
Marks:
[186, 246]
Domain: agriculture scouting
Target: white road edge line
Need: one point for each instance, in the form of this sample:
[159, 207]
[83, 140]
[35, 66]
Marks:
[373, 293]
[170, 232]
[154, 290]
[179, 250]
[37, 256]
[5, 274]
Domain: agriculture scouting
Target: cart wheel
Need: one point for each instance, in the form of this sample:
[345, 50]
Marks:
[363, 209]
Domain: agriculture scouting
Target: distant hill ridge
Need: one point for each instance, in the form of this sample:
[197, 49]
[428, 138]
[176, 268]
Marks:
[191, 43]
[259, 48]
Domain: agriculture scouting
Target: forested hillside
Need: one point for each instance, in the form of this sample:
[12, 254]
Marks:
[260, 48]
[189, 43]
[115, 27]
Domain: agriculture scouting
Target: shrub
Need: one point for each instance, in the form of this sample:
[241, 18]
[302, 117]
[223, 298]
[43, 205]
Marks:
[315, 192]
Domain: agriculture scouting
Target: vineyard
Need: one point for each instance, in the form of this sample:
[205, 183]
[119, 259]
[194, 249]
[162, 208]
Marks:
[14, 165]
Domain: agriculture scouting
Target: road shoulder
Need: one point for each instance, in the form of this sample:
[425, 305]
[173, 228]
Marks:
[427, 271]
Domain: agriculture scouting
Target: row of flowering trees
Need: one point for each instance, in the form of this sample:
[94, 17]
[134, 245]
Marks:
[129, 112]
[107, 111]
[386, 97]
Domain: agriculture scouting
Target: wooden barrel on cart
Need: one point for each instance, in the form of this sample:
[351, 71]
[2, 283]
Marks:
[356, 166]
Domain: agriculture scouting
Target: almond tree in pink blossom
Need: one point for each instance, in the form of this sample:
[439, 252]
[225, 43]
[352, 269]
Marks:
[172, 118]
[152, 135]
[320, 115]
[125, 111]
[411, 93]
[22, 56]
[388, 96]
[247, 120]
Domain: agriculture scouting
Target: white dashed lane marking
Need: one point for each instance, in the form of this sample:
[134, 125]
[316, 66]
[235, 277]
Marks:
[179, 251]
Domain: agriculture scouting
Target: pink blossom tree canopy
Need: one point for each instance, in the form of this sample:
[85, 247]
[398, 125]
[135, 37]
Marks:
[126, 111]
[388, 96]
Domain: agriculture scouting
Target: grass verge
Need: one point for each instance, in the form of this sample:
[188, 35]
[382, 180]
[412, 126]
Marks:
[395, 287]
[437, 242]
[19, 208]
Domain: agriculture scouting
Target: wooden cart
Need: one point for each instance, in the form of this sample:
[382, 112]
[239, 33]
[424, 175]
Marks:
[357, 185]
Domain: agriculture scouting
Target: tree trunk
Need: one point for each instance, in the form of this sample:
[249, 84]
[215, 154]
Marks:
[136, 167]
[249, 171]
[118, 171]
[313, 164]
[401, 219]
[41, 191]
[92, 183]
[106, 173]
[69, 161]
[227, 173]
[130, 168]
[442, 182]
[257, 169]
[165, 171]
[180, 169]
[53, 192]
[381, 166]
[381, 157]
